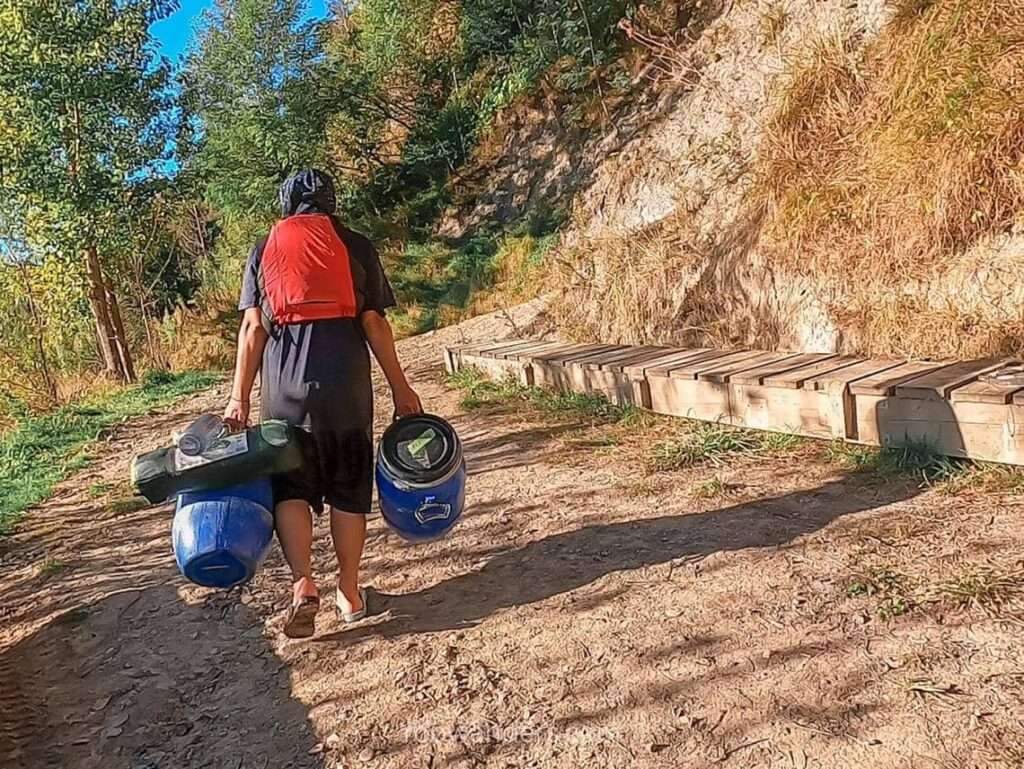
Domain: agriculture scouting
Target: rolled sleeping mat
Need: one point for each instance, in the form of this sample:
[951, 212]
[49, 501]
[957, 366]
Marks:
[239, 458]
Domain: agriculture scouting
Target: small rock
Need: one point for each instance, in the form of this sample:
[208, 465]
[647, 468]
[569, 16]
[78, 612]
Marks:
[333, 741]
[366, 755]
[316, 749]
[119, 720]
[101, 703]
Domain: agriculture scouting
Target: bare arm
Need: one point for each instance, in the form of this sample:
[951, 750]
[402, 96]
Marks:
[382, 341]
[252, 338]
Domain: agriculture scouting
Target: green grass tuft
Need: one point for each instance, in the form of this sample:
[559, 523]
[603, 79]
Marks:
[918, 459]
[98, 490]
[888, 587]
[712, 444]
[44, 450]
[126, 505]
[712, 488]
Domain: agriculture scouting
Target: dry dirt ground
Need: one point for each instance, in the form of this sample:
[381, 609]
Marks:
[586, 613]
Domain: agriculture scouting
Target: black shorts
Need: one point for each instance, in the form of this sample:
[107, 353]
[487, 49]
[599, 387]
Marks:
[337, 471]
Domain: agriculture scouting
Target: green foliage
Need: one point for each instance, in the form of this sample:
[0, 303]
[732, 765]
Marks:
[43, 450]
[918, 459]
[714, 444]
[418, 82]
[87, 122]
[888, 588]
[251, 83]
[85, 114]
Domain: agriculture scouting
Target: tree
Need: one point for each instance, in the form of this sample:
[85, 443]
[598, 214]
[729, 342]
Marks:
[251, 82]
[85, 116]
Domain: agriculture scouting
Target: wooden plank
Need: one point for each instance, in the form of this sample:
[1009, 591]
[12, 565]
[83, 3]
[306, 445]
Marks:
[468, 348]
[795, 378]
[640, 359]
[722, 371]
[639, 354]
[940, 383]
[597, 362]
[689, 398]
[671, 354]
[981, 431]
[598, 355]
[886, 382]
[495, 347]
[662, 367]
[692, 368]
[451, 360]
[804, 412]
[991, 390]
[756, 376]
[614, 385]
[844, 376]
[503, 351]
[521, 353]
[557, 357]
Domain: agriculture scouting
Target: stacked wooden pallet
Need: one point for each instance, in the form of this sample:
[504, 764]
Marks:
[955, 406]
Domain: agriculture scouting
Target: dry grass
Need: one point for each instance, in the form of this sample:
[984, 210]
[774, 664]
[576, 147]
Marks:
[990, 589]
[519, 275]
[773, 21]
[627, 289]
[881, 167]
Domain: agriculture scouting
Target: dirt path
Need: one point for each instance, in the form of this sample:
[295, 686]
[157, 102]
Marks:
[583, 615]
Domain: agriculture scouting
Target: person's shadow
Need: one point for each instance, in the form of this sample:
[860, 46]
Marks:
[564, 562]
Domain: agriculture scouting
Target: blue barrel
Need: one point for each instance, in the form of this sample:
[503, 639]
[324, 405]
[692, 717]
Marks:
[422, 514]
[421, 477]
[222, 536]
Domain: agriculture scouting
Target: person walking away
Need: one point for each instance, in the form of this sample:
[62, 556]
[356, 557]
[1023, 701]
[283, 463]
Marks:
[314, 295]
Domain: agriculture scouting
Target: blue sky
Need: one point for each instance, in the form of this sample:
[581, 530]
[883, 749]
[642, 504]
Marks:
[174, 32]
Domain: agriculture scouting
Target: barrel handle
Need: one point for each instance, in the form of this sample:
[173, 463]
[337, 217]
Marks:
[431, 511]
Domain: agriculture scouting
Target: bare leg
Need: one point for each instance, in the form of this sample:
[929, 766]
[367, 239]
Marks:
[349, 533]
[294, 523]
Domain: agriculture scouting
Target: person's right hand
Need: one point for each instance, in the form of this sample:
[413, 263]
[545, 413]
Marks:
[236, 414]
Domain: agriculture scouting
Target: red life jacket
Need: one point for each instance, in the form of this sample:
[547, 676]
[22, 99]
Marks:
[306, 271]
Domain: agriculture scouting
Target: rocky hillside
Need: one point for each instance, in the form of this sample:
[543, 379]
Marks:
[824, 175]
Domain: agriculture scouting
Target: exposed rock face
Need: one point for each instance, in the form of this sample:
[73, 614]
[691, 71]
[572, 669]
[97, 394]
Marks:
[666, 237]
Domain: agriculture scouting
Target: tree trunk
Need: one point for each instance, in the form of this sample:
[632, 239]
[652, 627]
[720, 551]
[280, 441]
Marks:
[120, 337]
[116, 359]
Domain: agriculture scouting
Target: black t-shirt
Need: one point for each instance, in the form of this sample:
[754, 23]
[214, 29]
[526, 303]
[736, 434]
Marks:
[321, 369]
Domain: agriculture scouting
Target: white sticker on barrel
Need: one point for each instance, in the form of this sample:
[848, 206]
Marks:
[226, 447]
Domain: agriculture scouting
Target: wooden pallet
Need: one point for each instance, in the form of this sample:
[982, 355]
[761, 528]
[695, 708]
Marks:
[872, 401]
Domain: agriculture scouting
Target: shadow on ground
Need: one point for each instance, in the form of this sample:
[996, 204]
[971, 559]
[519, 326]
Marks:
[144, 680]
[565, 562]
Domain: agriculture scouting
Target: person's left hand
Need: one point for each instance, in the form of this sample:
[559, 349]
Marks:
[406, 401]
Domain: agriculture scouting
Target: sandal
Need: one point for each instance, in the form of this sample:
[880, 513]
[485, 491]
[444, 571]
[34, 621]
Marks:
[348, 617]
[301, 620]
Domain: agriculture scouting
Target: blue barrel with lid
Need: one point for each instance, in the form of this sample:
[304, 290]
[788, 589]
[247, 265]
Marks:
[222, 536]
[421, 477]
